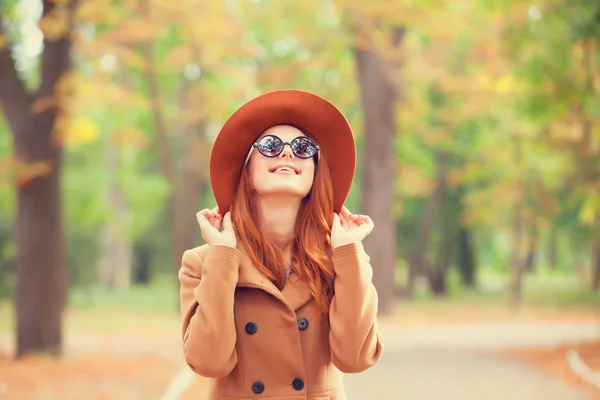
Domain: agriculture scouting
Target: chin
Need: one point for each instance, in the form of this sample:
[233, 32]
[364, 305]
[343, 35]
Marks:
[283, 191]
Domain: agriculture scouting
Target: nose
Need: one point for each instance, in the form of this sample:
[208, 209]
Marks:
[287, 151]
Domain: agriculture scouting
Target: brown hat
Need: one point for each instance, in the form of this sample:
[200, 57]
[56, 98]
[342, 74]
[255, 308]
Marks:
[317, 117]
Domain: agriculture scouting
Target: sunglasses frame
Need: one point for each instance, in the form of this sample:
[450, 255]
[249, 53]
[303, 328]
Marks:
[256, 145]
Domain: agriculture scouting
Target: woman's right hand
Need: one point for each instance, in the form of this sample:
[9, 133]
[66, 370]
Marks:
[211, 222]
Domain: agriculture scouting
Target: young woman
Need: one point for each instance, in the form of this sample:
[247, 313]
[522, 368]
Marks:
[279, 302]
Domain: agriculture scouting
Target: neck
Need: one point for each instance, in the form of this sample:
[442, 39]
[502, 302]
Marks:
[277, 219]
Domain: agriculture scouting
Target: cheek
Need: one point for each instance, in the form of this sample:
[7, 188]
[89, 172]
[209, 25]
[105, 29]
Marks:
[257, 170]
[309, 175]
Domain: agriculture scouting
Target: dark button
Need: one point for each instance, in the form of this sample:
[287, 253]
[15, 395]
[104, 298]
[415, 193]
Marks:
[258, 387]
[298, 384]
[302, 323]
[251, 328]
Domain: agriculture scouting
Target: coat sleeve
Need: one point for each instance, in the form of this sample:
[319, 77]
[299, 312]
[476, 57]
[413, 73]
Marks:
[354, 336]
[208, 276]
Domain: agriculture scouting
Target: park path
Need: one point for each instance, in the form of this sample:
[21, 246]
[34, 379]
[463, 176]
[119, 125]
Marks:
[458, 362]
[426, 373]
[429, 361]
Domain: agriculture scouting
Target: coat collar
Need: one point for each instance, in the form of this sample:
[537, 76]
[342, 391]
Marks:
[295, 292]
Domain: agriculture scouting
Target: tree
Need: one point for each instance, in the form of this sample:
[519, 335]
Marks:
[377, 80]
[34, 123]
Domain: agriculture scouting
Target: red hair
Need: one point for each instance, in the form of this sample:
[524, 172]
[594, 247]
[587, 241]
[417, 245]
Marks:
[311, 247]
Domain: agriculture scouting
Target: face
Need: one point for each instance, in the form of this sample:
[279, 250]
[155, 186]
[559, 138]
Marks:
[284, 174]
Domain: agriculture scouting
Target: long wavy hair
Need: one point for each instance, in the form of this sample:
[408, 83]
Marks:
[311, 246]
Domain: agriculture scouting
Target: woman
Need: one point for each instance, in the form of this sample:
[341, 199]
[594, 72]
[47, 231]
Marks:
[279, 302]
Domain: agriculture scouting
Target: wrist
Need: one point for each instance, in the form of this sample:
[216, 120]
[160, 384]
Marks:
[344, 243]
[224, 244]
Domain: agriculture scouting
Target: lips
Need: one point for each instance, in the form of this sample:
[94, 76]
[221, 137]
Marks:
[285, 168]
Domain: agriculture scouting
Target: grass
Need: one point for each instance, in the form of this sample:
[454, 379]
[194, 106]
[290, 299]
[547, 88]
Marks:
[546, 295]
[161, 296]
[156, 306]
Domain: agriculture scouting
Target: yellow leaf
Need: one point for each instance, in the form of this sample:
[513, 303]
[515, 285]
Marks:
[587, 214]
[84, 130]
[76, 131]
[505, 85]
[3, 41]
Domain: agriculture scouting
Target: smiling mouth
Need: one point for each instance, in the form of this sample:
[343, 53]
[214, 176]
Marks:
[285, 169]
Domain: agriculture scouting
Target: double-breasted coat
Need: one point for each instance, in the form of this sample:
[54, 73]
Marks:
[256, 341]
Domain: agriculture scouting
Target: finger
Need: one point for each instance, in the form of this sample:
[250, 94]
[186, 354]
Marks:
[367, 219]
[365, 230]
[351, 222]
[205, 225]
[364, 220]
[336, 221]
[227, 221]
[210, 217]
[203, 212]
[343, 220]
[216, 222]
[345, 212]
[358, 219]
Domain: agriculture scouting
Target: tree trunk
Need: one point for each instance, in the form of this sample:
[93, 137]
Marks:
[115, 262]
[41, 252]
[517, 260]
[195, 176]
[378, 96]
[596, 257]
[436, 272]
[164, 150]
[7, 265]
[185, 186]
[531, 258]
[552, 250]
[466, 258]
[143, 256]
[41, 267]
[437, 275]
[431, 210]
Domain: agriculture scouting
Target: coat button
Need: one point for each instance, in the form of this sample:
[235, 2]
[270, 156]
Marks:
[258, 387]
[251, 328]
[302, 323]
[298, 384]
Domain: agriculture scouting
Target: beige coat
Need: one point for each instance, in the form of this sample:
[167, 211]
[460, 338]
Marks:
[259, 342]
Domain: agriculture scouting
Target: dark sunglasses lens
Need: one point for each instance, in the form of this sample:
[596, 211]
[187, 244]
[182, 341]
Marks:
[303, 147]
[270, 146]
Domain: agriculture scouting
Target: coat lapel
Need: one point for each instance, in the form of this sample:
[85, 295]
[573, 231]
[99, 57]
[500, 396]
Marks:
[295, 293]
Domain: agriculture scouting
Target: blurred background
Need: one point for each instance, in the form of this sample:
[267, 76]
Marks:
[477, 126]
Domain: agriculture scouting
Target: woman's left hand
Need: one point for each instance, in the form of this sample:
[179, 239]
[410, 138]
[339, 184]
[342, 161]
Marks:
[348, 228]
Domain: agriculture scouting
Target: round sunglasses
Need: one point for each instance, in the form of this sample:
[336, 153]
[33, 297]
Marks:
[272, 146]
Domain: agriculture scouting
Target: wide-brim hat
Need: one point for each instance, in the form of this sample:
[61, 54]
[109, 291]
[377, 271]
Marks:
[317, 117]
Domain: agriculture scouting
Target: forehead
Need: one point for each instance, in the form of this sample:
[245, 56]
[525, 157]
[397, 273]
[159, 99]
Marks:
[285, 132]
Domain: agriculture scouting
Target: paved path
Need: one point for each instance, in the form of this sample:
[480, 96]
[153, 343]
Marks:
[491, 335]
[422, 373]
[445, 362]
[432, 362]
